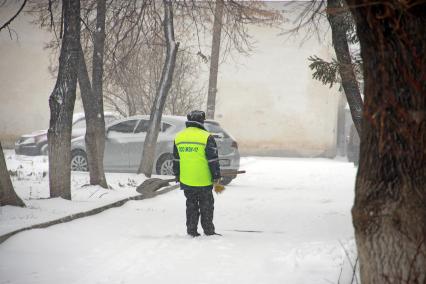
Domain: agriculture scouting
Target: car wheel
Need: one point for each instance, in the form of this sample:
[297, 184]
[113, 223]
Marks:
[226, 180]
[165, 165]
[79, 161]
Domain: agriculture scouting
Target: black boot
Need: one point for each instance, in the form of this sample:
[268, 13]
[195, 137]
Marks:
[194, 234]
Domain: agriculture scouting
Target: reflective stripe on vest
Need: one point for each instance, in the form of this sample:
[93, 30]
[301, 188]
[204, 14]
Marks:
[194, 167]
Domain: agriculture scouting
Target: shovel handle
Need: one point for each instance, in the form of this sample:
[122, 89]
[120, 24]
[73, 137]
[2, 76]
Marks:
[231, 173]
[222, 173]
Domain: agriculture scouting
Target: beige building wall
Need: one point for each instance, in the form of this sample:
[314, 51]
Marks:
[270, 102]
[25, 80]
[25, 83]
[267, 101]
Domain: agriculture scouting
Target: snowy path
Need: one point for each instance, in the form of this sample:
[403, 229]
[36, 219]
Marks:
[301, 206]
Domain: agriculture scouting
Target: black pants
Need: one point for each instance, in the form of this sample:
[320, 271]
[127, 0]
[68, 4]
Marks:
[199, 202]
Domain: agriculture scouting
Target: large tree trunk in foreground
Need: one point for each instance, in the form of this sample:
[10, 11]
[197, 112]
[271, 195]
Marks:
[92, 98]
[61, 103]
[214, 60]
[389, 213]
[336, 17]
[148, 154]
[8, 195]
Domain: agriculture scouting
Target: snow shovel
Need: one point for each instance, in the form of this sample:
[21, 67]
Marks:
[151, 186]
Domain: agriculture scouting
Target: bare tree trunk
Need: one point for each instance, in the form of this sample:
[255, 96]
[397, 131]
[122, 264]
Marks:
[8, 195]
[214, 60]
[148, 154]
[92, 98]
[341, 122]
[389, 213]
[61, 103]
[336, 18]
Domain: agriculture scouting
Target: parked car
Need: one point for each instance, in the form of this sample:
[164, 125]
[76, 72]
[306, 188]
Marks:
[124, 145]
[35, 143]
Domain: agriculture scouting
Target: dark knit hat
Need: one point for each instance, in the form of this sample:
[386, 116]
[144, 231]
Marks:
[196, 115]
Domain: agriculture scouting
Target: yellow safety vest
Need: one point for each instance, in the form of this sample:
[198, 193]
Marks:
[194, 167]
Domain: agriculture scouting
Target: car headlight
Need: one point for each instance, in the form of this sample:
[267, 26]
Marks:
[29, 140]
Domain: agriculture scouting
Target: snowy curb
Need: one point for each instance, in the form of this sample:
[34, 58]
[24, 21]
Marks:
[87, 213]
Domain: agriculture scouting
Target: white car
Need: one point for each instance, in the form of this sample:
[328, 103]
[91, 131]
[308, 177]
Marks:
[124, 145]
[35, 143]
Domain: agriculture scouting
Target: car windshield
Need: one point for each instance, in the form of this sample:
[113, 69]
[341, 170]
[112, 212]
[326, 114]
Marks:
[215, 128]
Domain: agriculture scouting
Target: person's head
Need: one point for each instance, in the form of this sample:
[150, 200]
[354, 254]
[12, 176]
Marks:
[197, 116]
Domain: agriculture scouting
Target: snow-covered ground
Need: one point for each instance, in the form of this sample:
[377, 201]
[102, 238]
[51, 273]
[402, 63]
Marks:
[29, 177]
[298, 212]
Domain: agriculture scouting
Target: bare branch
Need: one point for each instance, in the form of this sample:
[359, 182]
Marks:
[14, 16]
[52, 22]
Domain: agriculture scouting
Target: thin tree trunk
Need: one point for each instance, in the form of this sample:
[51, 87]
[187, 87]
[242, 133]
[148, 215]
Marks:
[341, 122]
[92, 98]
[336, 18]
[148, 154]
[8, 195]
[61, 103]
[389, 213]
[214, 61]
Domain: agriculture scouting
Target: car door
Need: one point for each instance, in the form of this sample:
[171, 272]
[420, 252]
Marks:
[117, 142]
[79, 128]
[136, 144]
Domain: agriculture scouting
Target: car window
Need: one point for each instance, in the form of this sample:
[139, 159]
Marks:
[79, 124]
[124, 127]
[142, 126]
[215, 128]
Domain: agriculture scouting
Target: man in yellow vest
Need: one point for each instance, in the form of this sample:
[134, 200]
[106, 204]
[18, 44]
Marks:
[196, 166]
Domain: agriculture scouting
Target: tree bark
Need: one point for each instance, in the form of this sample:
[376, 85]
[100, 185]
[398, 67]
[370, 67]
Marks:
[148, 154]
[61, 103]
[8, 195]
[336, 18]
[389, 213]
[214, 60]
[92, 97]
